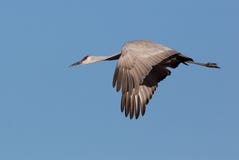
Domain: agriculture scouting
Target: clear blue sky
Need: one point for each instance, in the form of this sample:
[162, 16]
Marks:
[49, 111]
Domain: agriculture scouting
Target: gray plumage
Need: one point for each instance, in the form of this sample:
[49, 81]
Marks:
[141, 66]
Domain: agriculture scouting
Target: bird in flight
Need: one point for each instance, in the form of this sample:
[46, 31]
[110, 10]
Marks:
[141, 66]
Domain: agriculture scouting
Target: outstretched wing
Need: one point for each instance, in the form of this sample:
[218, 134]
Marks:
[133, 69]
[133, 101]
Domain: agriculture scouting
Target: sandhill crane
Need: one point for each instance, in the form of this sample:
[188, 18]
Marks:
[141, 66]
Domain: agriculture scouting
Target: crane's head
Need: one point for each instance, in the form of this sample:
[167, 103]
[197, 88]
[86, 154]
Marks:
[85, 60]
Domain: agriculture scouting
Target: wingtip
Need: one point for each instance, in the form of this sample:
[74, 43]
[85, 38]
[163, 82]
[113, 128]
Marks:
[136, 116]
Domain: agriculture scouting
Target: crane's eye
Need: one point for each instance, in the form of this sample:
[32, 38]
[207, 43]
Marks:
[85, 58]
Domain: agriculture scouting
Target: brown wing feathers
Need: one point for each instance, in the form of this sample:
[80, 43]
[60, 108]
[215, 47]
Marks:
[133, 102]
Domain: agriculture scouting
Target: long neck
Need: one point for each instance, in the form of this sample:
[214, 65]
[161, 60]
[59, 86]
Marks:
[94, 59]
[113, 57]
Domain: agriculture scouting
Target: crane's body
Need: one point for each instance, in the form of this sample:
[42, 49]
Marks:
[141, 66]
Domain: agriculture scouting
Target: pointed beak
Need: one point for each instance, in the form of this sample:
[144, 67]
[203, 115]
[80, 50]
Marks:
[75, 64]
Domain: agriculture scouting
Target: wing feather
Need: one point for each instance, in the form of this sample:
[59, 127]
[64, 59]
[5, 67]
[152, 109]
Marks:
[132, 101]
[136, 106]
[138, 72]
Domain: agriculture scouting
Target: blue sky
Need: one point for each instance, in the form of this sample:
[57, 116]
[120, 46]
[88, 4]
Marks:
[49, 111]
